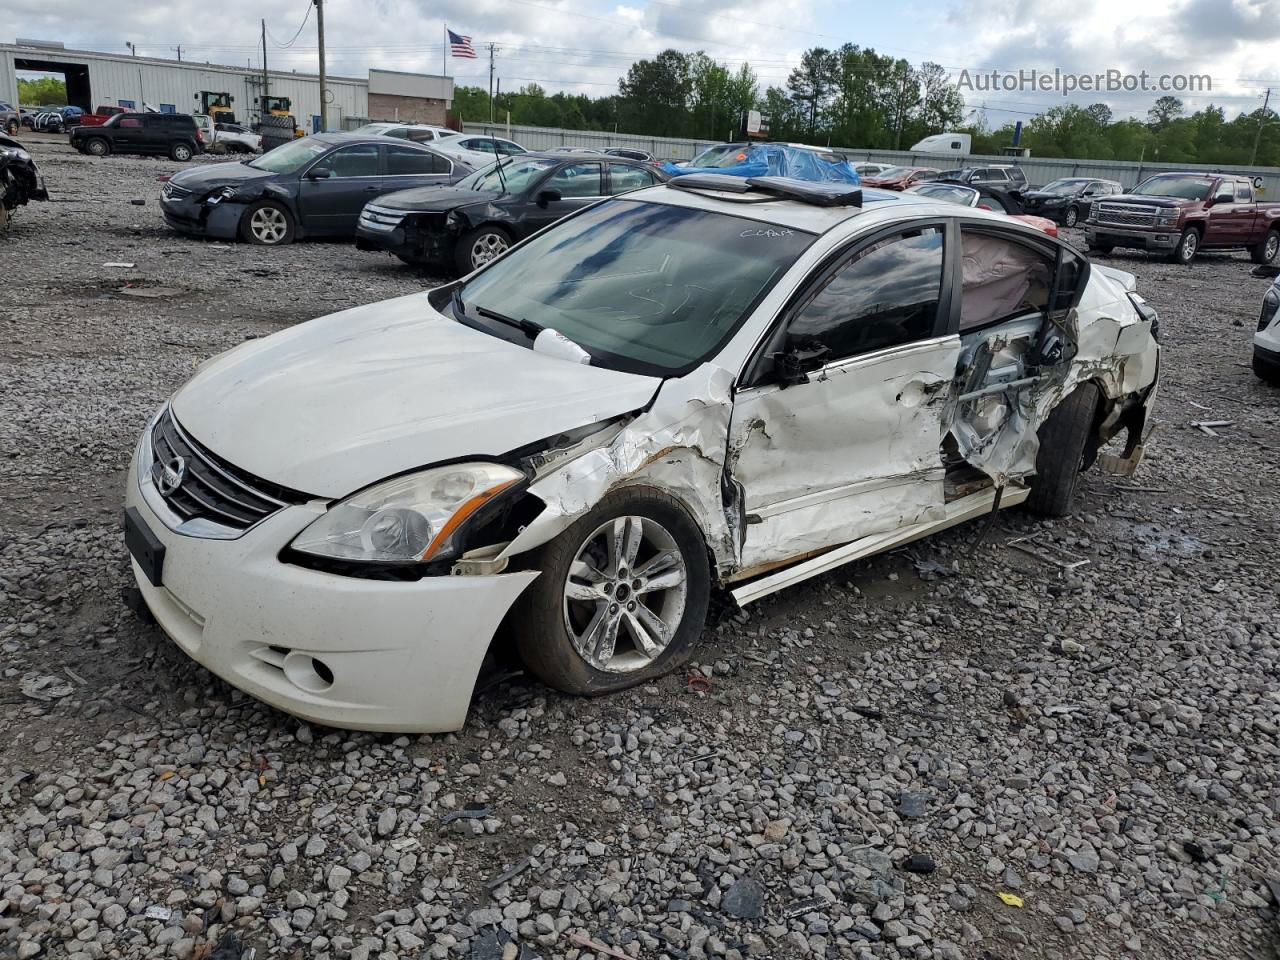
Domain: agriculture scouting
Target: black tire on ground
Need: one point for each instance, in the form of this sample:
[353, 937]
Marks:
[267, 223]
[1265, 250]
[181, 152]
[97, 147]
[1187, 248]
[1071, 217]
[470, 244]
[1102, 248]
[1266, 372]
[538, 620]
[1063, 438]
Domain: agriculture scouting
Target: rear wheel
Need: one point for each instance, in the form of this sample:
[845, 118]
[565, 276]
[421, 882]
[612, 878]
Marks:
[267, 223]
[477, 247]
[12, 127]
[97, 147]
[622, 597]
[1063, 438]
[1187, 248]
[1102, 248]
[1071, 217]
[1265, 251]
[181, 152]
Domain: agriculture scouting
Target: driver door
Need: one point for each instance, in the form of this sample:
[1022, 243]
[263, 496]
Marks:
[336, 187]
[836, 434]
[579, 185]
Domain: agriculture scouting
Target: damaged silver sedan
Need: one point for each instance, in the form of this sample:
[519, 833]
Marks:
[710, 387]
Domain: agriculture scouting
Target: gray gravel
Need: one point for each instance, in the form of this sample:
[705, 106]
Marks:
[1101, 744]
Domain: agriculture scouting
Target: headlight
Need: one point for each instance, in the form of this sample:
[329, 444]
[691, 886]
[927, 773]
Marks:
[1167, 218]
[1270, 304]
[410, 519]
[222, 193]
[1093, 210]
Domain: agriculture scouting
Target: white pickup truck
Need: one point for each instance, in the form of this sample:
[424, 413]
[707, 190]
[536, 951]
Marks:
[232, 136]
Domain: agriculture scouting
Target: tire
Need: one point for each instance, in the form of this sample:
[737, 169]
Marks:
[181, 152]
[1265, 250]
[1071, 217]
[475, 244]
[97, 147]
[554, 629]
[1187, 248]
[1063, 438]
[1268, 373]
[267, 224]
[1102, 248]
[12, 127]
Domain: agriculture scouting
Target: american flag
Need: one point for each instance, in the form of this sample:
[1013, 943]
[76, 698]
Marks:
[460, 46]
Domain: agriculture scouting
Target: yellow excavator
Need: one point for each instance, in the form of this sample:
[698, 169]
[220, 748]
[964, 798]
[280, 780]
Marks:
[217, 106]
[280, 107]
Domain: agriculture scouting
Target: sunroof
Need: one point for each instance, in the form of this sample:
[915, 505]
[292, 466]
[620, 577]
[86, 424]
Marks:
[818, 193]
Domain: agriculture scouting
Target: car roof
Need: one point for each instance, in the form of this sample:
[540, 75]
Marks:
[341, 138]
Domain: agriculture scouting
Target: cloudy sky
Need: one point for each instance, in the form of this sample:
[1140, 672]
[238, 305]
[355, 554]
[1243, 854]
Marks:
[585, 45]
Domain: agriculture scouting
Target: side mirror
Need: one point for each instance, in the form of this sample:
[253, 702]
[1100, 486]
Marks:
[319, 173]
[548, 196]
[792, 367]
[1222, 198]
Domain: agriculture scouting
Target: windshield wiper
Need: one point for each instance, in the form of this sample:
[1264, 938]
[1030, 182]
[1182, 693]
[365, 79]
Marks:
[529, 328]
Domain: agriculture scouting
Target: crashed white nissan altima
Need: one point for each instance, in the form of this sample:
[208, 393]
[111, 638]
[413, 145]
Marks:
[709, 387]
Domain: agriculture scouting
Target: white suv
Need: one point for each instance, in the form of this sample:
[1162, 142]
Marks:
[712, 385]
[417, 132]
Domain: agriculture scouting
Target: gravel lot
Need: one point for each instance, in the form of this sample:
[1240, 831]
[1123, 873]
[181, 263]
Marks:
[1101, 743]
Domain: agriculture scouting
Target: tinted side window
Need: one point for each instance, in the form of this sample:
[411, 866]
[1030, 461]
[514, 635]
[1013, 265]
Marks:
[420, 136]
[1244, 191]
[623, 176]
[994, 174]
[130, 121]
[355, 161]
[886, 295]
[577, 180]
[400, 132]
[402, 161]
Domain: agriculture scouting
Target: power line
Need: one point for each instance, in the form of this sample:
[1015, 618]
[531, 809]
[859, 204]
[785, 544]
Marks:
[305, 17]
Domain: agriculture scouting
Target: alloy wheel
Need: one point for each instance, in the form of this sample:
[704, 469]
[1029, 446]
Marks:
[625, 594]
[487, 247]
[268, 225]
[1071, 217]
[1272, 248]
[1189, 246]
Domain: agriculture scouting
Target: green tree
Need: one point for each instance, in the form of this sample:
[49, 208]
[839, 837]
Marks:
[42, 91]
[813, 84]
[1163, 112]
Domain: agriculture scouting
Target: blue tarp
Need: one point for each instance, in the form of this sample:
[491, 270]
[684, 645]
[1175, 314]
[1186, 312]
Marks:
[778, 160]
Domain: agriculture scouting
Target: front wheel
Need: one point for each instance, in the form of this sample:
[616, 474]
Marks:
[181, 152]
[1071, 217]
[97, 147]
[1188, 246]
[1266, 250]
[622, 597]
[267, 224]
[477, 247]
[1063, 436]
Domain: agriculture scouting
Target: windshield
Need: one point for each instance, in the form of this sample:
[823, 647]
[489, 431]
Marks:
[950, 193]
[643, 287]
[519, 175]
[290, 156]
[710, 156]
[1063, 187]
[893, 173]
[1185, 188]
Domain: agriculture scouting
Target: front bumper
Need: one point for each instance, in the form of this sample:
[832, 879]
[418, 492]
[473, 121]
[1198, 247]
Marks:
[392, 656]
[421, 237]
[220, 221]
[1102, 233]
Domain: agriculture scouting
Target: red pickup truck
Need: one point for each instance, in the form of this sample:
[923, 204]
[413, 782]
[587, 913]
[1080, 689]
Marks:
[1183, 213]
[100, 116]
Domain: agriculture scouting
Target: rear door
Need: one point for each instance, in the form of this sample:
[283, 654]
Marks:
[836, 429]
[335, 188]
[625, 176]
[413, 167]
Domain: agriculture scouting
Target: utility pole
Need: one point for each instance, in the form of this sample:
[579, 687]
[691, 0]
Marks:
[262, 100]
[1262, 121]
[179, 49]
[324, 90]
[492, 114]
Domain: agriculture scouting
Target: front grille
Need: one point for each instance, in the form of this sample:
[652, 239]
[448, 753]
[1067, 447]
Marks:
[380, 217]
[174, 192]
[1126, 215]
[210, 488]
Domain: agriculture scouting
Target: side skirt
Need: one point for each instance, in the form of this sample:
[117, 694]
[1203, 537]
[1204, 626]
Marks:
[958, 511]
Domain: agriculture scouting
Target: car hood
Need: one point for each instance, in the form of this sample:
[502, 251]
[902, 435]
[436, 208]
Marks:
[210, 175]
[435, 198]
[330, 406]
[1040, 196]
[1150, 201]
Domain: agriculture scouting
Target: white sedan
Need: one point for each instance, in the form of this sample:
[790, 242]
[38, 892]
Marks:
[709, 386]
[480, 152]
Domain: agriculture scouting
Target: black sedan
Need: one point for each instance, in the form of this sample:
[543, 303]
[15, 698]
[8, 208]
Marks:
[312, 187]
[1067, 200]
[482, 216]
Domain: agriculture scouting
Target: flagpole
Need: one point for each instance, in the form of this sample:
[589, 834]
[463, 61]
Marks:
[444, 52]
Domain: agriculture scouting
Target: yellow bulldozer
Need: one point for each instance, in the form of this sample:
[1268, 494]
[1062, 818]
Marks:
[280, 107]
[217, 105]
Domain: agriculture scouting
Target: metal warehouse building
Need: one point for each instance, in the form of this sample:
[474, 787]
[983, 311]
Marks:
[174, 86]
